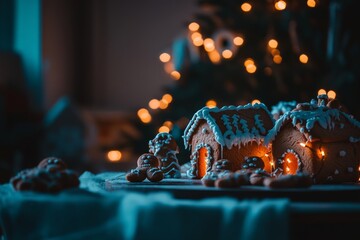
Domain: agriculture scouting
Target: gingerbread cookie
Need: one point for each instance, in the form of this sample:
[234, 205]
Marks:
[45, 180]
[232, 180]
[52, 163]
[136, 175]
[258, 177]
[289, 181]
[154, 175]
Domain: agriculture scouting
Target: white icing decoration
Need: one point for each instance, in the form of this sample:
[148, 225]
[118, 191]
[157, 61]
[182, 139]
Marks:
[237, 130]
[302, 130]
[325, 117]
[204, 131]
[342, 153]
[259, 124]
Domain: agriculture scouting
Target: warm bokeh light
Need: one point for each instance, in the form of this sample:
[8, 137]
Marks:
[227, 54]
[277, 59]
[251, 68]
[331, 94]
[154, 104]
[302, 144]
[214, 56]
[175, 75]
[163, 104]
[280, 5]
[198, 41]
[164, 129]
[169, 67]
[144, 115]
[114, 155]
[211, 103]
[249, 61]
[303, 58]
[311, 3]
[255, 101]
[194, 26]
[142, 112]
[168, 124]
[321, 92]
[246, 7]
[238, 41]
[273, 43]
[275, 51]
[167, 98]
[209, 45]
[164, 57]
[196, 35]
[322, 153]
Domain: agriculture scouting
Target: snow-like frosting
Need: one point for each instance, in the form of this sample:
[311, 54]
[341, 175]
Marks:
[325, 117]
[241, 135]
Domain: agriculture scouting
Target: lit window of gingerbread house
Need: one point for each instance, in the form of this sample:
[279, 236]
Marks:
[318, 140]
[231, 132]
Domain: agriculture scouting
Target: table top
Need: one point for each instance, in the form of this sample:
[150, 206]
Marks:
[193, 189]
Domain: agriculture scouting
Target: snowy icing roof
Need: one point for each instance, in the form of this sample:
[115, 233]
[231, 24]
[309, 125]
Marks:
[320, 122]
[233, 125]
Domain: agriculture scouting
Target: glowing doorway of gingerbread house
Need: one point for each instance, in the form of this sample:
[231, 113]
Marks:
[290, 163]
[203, 161]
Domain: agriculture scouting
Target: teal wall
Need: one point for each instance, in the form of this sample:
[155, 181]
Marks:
[27, 42]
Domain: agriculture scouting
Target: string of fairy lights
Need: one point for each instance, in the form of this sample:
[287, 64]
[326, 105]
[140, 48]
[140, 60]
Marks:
[217, 54]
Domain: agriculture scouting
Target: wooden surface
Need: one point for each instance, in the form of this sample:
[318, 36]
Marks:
[193, 189]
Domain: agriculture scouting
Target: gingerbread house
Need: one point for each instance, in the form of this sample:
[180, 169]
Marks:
[318, 140]
[230, 132]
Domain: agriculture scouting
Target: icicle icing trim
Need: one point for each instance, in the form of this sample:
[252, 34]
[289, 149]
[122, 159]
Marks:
[229, 138]
[309, 118]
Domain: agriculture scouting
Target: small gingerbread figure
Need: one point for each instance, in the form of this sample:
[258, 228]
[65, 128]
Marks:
[147, 167]
[165, 148]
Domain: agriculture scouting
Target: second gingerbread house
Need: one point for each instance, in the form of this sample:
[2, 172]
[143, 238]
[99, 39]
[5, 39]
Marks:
[319, 140]
[230, 132]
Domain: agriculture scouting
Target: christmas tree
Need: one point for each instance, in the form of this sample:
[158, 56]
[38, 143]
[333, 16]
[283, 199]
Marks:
[236, 52]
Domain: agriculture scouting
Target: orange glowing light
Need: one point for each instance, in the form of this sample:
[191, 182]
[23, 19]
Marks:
[214, 56]
[266, 155]
[164, 129]
[227, 54]
[253, 102]
[154, 104]
[203, 155]
[303, 58]
[246, 7]
[321, 92]
[209, 45]
[146, 118]
[322, 153]
[288, 160]
[164, 57]
[196, 35]
[311, 3]
[168, 124]
[291, 164]
[272, 163]
[238, 41]
[248, 62]
[175, 75]
[275, 51]
[331, 94]
[211, 103]
[251, 68]
[198, 41]
[142, 112]
[163, 104]
[194, 26]
[273, 43]
[114, 155]
[277, 59]
[167, 98]
[280, 5]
